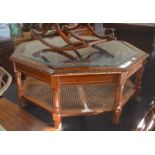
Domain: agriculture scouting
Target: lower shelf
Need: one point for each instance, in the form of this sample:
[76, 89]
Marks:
[76, 99]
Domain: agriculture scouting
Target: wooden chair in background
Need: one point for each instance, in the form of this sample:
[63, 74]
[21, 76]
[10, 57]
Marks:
[5, 80]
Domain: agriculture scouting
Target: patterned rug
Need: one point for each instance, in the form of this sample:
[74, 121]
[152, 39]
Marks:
[2, 128]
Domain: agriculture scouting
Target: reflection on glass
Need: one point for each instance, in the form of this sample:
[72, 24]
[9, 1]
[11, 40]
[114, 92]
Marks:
[110, 53]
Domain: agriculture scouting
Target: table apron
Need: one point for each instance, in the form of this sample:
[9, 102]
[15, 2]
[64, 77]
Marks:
[75, 79]
[134, 70]
[40, 75]
[88, 79]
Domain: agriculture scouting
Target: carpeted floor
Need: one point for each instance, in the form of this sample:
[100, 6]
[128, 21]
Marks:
[132, 113]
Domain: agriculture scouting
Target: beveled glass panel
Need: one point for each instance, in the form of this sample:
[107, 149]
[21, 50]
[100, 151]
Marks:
[110, 53]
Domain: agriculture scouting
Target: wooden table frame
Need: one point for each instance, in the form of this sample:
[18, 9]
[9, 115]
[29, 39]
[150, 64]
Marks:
[57, 81]
[75, 76]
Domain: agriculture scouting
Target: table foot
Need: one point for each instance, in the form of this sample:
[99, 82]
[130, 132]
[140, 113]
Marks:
[59, 127]
[116, 115]
[57, 121]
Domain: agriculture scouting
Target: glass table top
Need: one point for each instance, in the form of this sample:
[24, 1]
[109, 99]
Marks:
[110, 53]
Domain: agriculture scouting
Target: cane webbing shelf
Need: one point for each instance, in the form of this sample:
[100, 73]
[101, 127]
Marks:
[77, 99]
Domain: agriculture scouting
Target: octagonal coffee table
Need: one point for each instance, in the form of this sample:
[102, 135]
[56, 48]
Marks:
[86, 81]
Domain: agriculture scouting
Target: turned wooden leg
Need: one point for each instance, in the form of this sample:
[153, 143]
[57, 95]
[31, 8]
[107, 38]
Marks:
[118, 99]
[118, 105]
[56, 103]
[21, 102]
[138, 81]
